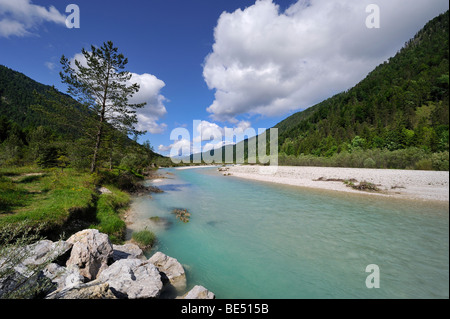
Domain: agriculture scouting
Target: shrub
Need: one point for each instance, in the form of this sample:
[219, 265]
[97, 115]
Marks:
[408, 158]
[440, 161]
[144, 238]
[48, 157]
[424, 164]
[369, 163]
[79, 154]
[364, 186]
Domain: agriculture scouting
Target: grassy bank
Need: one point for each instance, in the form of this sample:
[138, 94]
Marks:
[109, 209]
[62, 200]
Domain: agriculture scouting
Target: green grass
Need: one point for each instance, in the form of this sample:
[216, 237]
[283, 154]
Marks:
[49, 196]
[11, 195]
[42, 195]
[109, 207]
[144, 238]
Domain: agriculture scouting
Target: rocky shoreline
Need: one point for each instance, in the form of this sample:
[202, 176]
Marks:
[89, 266]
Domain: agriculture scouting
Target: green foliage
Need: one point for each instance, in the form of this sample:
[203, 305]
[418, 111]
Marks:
[409, 158]
[54, 198]
[108, 214]
[56, 125]
[48, 156]
[124, 180]
[38, 140]
[43, 196]
[62, 162]
[68, 136]
[131, 161]
[402, 104]
[11, 150]
[164, 162]
[357, 143]
[369, 163]
[79, 153]
[11, 195]
[424, 164]
[440, 161]
[144, 238]
[16, 96]
[104, 91]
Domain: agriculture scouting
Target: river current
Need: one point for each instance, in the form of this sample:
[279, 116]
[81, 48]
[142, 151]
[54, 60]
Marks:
[252, 240]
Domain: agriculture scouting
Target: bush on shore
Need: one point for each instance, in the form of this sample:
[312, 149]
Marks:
[144, 238]
[409, 158]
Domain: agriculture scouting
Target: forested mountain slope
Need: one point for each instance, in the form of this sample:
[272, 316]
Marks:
[402, 103]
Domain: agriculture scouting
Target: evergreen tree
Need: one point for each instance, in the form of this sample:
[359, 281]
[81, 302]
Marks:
[103, 87]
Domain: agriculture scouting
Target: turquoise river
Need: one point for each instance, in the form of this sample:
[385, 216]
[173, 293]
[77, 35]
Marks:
[253, 240]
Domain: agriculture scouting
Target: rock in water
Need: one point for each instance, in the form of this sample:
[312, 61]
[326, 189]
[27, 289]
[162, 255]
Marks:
[172, 269]
[199, 292]
[90, 252]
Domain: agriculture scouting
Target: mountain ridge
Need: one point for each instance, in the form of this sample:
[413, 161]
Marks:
[385, 100]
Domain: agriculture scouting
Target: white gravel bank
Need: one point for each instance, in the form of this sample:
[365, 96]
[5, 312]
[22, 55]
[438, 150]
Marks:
[408, 184]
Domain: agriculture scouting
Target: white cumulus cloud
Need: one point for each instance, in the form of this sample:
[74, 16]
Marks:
[149, 92]
[207, 131]
[268, 62]
[20, 17]
[209, 135]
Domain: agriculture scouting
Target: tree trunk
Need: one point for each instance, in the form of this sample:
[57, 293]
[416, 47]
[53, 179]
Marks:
[97, 146]
[111, 158]
[100, 126]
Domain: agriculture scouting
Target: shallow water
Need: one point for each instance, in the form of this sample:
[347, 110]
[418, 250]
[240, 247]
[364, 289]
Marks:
[256, 240]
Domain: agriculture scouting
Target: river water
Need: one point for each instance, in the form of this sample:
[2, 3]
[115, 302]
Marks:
[252, 240]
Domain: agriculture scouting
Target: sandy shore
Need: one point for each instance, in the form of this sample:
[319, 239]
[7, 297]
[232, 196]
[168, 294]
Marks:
[407, 184]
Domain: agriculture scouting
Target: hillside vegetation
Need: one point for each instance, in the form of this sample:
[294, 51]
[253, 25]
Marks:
[48, 144]
[397, 117]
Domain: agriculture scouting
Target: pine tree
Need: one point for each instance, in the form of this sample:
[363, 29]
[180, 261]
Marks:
[102, 85]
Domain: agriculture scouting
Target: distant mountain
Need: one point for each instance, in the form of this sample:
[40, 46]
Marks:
[403, 103]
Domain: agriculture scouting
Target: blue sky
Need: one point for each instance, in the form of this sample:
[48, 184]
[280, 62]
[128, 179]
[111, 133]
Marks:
[227, 63]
